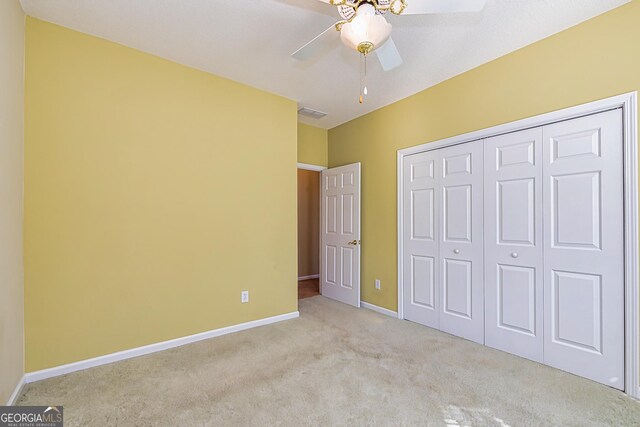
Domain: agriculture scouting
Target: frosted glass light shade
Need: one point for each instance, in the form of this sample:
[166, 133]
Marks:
[366, 31]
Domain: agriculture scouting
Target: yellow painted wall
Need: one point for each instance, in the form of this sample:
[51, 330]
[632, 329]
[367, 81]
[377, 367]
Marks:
[594, 60]
[11, 180]
[312, 145]
[155, 194]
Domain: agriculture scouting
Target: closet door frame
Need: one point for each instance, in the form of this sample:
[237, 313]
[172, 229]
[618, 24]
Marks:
[628, 103]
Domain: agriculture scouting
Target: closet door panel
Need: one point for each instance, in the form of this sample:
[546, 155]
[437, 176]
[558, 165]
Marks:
[583, 255]
[513, 243]
[460, 185]
[420, 241]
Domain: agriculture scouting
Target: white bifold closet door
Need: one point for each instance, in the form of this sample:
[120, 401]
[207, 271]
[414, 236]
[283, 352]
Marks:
[443, 261]
[544, 279]
[461, 248]
[420, 236]
[583, 247]
[513, 243]
[554, 245]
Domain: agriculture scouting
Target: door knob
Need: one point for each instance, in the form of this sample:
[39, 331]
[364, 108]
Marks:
[456, 251]
[514, 254]
[353, 242]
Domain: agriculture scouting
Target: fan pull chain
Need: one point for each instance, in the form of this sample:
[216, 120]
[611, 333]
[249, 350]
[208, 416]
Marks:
[360, 99]
[363, 78]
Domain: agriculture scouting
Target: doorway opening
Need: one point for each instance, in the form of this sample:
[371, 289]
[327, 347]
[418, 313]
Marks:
[308, 230]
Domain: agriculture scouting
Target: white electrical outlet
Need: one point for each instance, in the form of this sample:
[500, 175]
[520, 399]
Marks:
[245, 296]
[378, 284]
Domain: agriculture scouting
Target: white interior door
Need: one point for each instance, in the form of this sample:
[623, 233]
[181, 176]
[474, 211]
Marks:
[583, 254]
[513, 243]
[420, 262]
[460, 183]
[340, 234]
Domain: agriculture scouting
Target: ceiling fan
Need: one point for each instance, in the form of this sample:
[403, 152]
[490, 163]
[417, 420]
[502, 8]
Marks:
[364, 28]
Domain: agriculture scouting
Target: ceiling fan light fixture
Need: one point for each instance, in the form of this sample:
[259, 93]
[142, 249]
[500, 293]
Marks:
[367, 31]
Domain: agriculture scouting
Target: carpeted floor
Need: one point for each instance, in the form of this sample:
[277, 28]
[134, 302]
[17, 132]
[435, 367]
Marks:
[335, 365]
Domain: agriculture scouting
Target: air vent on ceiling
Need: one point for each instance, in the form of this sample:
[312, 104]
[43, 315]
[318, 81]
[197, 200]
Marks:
[308, 112]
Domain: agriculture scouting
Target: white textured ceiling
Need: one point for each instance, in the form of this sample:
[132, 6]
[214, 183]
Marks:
[250, 41]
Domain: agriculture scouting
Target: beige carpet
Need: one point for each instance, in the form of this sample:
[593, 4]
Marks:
[335, 365]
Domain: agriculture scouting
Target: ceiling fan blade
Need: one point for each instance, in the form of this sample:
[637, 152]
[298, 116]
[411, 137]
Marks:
[322, 41]
[417, 7]
[388, 55]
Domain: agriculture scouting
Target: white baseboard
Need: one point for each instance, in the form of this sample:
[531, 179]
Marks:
[16, 392]
[151, 348]
[313, 276]
[379, 309]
